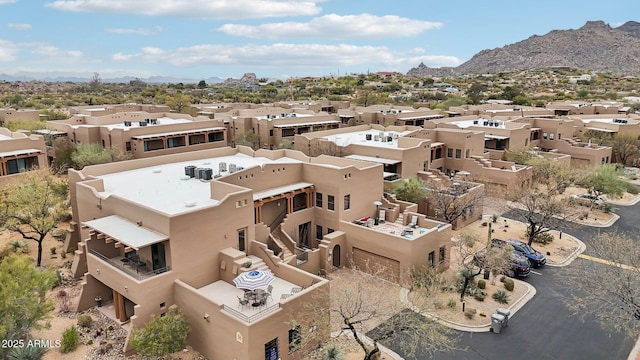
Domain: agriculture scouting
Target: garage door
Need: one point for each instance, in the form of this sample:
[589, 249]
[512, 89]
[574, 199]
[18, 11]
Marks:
[378, 265]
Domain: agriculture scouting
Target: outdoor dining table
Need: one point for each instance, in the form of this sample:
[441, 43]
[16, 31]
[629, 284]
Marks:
[255, 296]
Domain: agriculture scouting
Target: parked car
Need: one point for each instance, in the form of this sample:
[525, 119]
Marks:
[535, 257]
[519, 266]
[588, 199]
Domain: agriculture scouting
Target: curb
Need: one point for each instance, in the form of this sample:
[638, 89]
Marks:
[581, 248]
[607, 224]
[635, 352]
[514, 307]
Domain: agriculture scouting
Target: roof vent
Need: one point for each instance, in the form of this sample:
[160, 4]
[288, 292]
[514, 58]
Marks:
[190, 204]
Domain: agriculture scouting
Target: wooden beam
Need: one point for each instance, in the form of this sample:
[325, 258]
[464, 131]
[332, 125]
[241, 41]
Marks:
[101, 236]
[118, 245]
[128, 249]
[109, 240]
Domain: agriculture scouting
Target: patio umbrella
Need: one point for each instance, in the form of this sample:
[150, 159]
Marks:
[255, 279]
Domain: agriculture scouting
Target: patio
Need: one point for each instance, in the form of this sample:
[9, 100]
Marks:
[223, 293]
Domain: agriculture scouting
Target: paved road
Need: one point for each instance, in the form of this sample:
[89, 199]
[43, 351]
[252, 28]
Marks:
[544, 328]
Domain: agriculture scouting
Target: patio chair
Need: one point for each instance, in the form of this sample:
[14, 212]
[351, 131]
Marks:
[269, 290]
[414, 221]
[295, 290]
[242, 302]
[285, 296]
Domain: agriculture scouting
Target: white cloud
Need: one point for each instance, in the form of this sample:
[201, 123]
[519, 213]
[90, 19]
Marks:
[138, 31]
[335, 26]
[54, 52]
[7, 50]
[20, 26]
[4, 2]
[203, 9]
[281, 55]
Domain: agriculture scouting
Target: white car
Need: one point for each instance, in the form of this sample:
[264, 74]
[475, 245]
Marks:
[588, 199]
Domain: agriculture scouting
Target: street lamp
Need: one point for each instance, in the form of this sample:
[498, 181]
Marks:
[377, 204]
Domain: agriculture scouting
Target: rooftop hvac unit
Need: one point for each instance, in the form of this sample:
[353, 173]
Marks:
[127, 123]
[376, 137]
[485, 123]
[142, 123]
[222, 166]
[381, 134]
[368, 136]
[190, 170]
[496, 124]
[206, 173]
[154, 121]
[233, 168]
[475, 122]
[389, 138]
[395, 136]
[384, 139]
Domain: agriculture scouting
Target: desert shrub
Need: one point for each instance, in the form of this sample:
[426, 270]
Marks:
[26, 353]
[482, 284]
[426, 277]
[162, 335]
[332, 352]
[85, 321]
[470, 313]
[607, 208]
[18, 246]
[501, 296]
[495, 217]
[479, 296]
[452, 304]
[90, 342]
[543, 238]
[53, 250]
[509, 284]
[501, 278]
[70, 339]
[438, 304]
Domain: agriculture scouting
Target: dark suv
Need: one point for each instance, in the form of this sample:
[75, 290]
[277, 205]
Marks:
[520, 266]
[535, 257]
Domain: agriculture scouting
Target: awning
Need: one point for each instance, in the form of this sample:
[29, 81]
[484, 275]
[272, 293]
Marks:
[373, 159]
[436, 144]
[418, 117]
[280, 190]
[601, 129]
[495, 137]
[20, 152]
[183, 132]
[126, 231]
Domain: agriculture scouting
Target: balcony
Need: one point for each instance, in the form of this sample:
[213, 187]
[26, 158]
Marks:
[136, 271]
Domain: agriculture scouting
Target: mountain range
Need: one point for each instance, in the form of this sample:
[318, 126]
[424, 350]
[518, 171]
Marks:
[152, 79]
[596, 46]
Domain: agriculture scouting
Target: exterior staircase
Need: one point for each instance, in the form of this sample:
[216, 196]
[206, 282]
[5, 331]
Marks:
[276, 236]
[257, 263]
[400, 219]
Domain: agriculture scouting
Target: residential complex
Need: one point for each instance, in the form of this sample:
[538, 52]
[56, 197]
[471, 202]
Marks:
[177, 229]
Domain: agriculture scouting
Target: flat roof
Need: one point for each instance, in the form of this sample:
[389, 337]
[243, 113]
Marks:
[374, 159]
[307, 123]
[616, 121]
[192, 131]
[126, 231]
[430, 116]
[167, 189]
[279, 190]
[20, 152]
[136, 123]
[359, 138]
[495, 137]
[490, 123]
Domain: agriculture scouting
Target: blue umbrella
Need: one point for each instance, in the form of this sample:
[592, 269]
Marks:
[255, 279]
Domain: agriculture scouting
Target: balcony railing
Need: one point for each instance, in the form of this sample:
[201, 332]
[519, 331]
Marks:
[254, 317]
[129, 271]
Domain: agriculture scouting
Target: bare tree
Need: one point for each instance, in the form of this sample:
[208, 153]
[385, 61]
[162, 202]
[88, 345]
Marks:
[360, 307]
[624, 146]
[454, 202]
[609, 291]
[96, 82]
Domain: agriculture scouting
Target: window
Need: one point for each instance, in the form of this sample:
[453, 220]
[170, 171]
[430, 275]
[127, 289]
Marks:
[330, 202]
[242, 235]
[458, 153]
[15, 166]
[432, 258]
[438, 153]
[271, 350]
[271, 132]
[551, 136]
[559, 136]
[449, 153]
[443, 251]
[128, 145]
[330, 230]
[544, 135]
[347, 202]
[318, 232]
[294, 339]
[318, 199]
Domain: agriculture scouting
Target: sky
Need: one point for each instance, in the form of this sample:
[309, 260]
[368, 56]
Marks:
[199, 39]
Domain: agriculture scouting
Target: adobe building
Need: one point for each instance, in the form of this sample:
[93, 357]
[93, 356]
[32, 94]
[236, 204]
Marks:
[101, 110]
[177, 229]
[387, 115]
[141, 133]
[18, 115]
[575, 107]
[20, 152]
[496, 109]
[272, 125]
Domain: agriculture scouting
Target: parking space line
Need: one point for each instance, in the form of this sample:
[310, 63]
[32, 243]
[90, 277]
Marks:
[608, 262]
[535, 272]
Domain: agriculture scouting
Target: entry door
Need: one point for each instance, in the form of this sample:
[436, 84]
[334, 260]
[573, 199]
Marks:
[158, 258]
[303, 234]
[336, 256]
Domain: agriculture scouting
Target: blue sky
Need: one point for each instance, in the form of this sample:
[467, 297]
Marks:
[198, 39]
